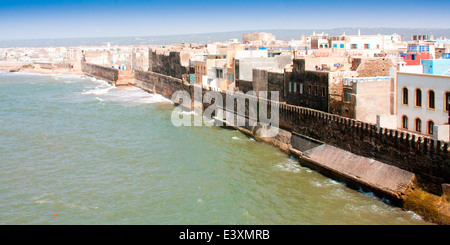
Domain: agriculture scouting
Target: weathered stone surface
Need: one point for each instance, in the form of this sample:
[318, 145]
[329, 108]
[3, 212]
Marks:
[350, 147]
[374, 67]
[169, 65]
[303, 143]
[429, 162]
[384, 177]
[105, 73]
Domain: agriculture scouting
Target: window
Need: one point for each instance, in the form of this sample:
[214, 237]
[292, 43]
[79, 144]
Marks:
[353, 46]
[447, 101]
[341, 45]
[418, 97]
[413, 57]
[405, 96]
[323, 92]
[430, 127]
[309, 89]
[290, 86]
[418, 125]
[295, 87]
[366, 46]
[300, 88]
[404, 122]
[347, 94]
[334, 45]
[315, 90]
[431, 99]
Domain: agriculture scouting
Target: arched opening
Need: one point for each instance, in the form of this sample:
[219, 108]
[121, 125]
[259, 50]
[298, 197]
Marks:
[404, 122]
[447, 101]
[418, 124]
[431, 99]
[405, 96]
[418, 97]
[430, 126]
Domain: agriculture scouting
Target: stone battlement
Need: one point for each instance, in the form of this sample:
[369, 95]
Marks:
[427, 158]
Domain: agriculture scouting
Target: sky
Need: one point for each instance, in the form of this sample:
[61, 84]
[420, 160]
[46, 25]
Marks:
[114, 18]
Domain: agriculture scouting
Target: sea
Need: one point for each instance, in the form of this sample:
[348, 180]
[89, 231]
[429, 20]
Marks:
[75, 150]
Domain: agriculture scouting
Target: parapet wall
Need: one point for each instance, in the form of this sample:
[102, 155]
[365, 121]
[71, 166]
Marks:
[169, 64]
[105, 73]
[428, 159]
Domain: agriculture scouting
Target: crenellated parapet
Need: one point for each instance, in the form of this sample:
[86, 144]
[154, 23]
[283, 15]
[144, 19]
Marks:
[101, 72]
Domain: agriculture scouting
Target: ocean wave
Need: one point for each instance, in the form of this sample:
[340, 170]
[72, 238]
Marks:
[288, 166]
[108, 93]
[97, 91]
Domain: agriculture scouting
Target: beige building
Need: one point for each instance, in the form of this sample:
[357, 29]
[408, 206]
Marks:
[200, 71]
[366, 97]
[258, 37]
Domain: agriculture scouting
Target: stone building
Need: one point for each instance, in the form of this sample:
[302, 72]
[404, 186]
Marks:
[169, 63]
[314, 89]
[366, 97]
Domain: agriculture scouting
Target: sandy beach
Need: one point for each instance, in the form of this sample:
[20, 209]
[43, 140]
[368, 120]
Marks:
[19, 66]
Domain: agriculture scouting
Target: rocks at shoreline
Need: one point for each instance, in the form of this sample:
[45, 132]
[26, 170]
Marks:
[14, 70]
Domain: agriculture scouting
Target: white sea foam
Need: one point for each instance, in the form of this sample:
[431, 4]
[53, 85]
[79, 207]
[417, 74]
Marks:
[414, 215]
[25, 73]
[235, 138]
[97, 91]
[107, 93]
[289, 166]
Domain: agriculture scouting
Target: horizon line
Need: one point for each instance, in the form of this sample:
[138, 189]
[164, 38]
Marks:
[248, 30]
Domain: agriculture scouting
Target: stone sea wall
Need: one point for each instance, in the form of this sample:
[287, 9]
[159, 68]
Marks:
[105, 73]
[428, 159]
[410, 171]
[388, 162]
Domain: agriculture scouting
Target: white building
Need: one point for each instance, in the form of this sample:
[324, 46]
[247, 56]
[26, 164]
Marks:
[423, 104]
[216, 74]
[371, 44]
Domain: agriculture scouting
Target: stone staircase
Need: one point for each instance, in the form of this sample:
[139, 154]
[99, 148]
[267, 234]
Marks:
[126, 78]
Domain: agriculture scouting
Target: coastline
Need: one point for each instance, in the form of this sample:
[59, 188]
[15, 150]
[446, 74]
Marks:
[21, 67]
[416, 200]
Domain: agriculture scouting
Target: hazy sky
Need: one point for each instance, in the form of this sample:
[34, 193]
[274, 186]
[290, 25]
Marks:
[61, 19]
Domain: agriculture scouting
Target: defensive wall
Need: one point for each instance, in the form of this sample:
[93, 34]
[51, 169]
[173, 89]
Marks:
[108, 74]
[388, 162]
[391, 163]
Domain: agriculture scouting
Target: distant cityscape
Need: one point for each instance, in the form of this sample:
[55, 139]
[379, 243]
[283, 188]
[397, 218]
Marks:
[215, 37]
[362, 96]
[379, 79]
